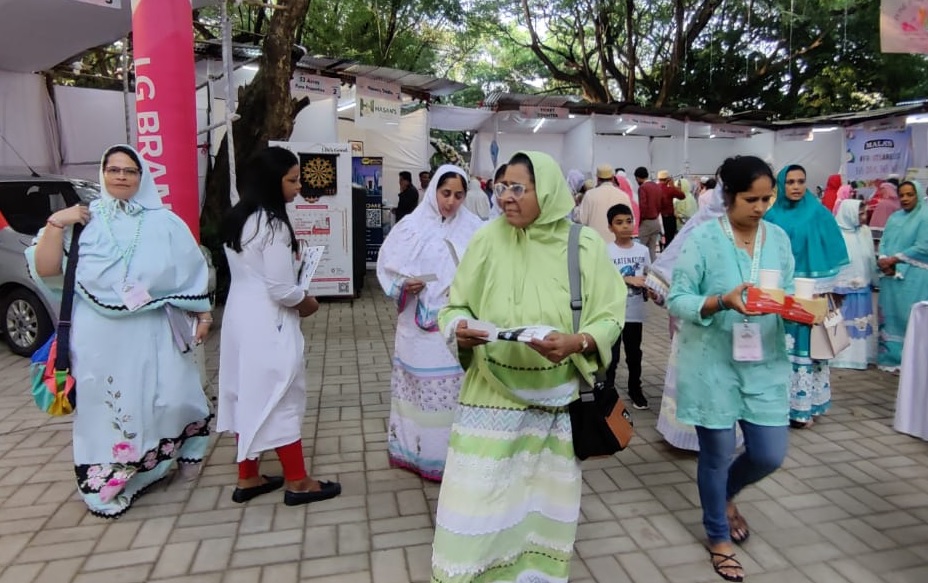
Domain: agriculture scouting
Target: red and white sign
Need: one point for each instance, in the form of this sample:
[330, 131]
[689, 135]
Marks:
[165, 96]
[729, 131]
[306, 84]
[543, 112]
[646, 122]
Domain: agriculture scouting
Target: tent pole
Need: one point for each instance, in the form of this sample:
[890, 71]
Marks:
[125, 88]
[230, 96]
[686, 147]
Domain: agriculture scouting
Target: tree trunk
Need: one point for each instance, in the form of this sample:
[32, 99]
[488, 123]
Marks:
[267, 112]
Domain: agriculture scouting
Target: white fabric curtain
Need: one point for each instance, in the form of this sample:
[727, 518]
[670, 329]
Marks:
[27, 123]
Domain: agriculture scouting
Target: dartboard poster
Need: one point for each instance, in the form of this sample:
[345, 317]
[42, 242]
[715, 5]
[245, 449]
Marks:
[321, 215]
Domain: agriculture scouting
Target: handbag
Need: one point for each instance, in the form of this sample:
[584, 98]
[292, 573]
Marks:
[53, 388]
[599, 421]
[829, 337]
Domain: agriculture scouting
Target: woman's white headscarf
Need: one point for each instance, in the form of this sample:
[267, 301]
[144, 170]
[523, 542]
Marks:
[477, 201]
[661, 273]
[426, 243]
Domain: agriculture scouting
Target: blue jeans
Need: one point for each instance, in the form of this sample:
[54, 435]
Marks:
[720, 480]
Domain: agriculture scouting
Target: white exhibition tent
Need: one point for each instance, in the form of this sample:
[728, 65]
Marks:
[583, 142]
[65, 131]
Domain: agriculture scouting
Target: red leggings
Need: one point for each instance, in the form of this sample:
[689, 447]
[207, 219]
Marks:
[291, 458]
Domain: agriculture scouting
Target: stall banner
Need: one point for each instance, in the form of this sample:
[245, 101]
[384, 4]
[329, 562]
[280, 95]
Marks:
[378, 105]
[803, 134]
[165, 98]
[305, 84]
[729, 131]
[543, 112]
[646, 122]
[321, 215]
[117, 4]
[904, 26]
[874, 155]
[367, 171]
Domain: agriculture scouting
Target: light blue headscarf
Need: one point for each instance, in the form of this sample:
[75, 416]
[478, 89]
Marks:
[818, 245]
[138, 240]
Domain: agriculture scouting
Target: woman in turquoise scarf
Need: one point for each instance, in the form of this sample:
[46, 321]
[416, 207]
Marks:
[904, 266]
[820, 253]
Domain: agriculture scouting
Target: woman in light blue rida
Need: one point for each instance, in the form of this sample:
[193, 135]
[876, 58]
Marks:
[140, 405]
[735, 362]
[855, 283]
[904, 265]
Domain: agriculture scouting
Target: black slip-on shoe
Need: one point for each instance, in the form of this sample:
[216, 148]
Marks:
[241, 495]
[327, 490]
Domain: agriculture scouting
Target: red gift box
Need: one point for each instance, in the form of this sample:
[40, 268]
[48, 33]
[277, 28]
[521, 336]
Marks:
[765, 301]
[805, 311]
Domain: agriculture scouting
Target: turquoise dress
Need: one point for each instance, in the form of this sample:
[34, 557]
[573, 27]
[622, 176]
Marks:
[905, 237]
[140, 405]
[820, 253]
[713, 390]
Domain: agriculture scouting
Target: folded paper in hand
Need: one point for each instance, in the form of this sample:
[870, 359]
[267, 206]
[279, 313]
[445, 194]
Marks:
[518, 334]
[183, 327]
[310, 256]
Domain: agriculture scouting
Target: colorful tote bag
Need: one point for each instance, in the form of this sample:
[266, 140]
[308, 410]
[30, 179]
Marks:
[53, 387]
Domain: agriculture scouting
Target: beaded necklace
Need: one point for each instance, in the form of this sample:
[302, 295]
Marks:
[125, 255]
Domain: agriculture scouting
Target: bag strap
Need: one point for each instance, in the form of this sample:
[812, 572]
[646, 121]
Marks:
[576, 293]
[573, 270]
[63, 350]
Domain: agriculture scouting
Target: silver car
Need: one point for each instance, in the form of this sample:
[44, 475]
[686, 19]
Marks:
[26, 202]
[27, 316]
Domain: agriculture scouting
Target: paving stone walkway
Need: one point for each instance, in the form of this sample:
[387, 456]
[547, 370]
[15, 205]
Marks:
[849, 506]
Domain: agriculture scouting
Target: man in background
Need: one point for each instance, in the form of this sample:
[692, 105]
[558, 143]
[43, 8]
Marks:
[594, 207]
[669, 192]
[408, 197]
[424, 178]
[649, 203]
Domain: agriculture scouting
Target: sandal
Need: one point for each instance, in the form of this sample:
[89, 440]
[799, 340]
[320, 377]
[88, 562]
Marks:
[738, 528]
[728, 562]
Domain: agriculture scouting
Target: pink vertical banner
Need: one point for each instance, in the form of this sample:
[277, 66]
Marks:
[165, 95]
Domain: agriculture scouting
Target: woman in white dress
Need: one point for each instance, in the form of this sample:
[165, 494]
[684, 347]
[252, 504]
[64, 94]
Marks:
[262, 384]
[416, 265]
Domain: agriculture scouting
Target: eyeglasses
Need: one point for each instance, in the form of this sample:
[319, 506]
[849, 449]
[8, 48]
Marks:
[127, 172]
[799, 181]
[517, 190]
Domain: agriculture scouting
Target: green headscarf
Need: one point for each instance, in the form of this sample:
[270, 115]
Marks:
[554, 198]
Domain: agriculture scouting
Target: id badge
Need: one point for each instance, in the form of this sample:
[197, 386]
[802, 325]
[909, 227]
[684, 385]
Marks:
[133, 294]
[746, 343]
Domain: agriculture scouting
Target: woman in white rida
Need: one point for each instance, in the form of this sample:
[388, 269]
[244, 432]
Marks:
[262, 384]
[416, 265]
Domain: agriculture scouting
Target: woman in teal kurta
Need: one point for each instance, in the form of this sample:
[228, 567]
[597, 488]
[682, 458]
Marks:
[510, 495]
[904, 265]
[716, 391]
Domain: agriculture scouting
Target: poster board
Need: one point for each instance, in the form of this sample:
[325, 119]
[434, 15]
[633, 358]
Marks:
[321, 215]
[367, 171]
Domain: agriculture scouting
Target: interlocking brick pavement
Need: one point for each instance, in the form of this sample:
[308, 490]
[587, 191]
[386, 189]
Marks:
[850, 505]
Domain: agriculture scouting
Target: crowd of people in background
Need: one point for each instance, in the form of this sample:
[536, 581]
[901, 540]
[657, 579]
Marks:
[488, 419]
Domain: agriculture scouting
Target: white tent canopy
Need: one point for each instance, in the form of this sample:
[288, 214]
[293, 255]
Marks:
[36, 35]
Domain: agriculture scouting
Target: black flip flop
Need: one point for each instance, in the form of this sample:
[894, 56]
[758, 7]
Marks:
[727, 562]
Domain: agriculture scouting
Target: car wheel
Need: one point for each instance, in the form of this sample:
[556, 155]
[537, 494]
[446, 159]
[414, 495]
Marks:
[26, 324]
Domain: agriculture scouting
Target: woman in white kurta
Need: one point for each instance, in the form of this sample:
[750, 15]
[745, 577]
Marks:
[140, 406]
[416, 265]
[262, 384]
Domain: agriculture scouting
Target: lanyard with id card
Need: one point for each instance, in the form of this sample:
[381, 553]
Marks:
[746, 344]
[133, 294]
